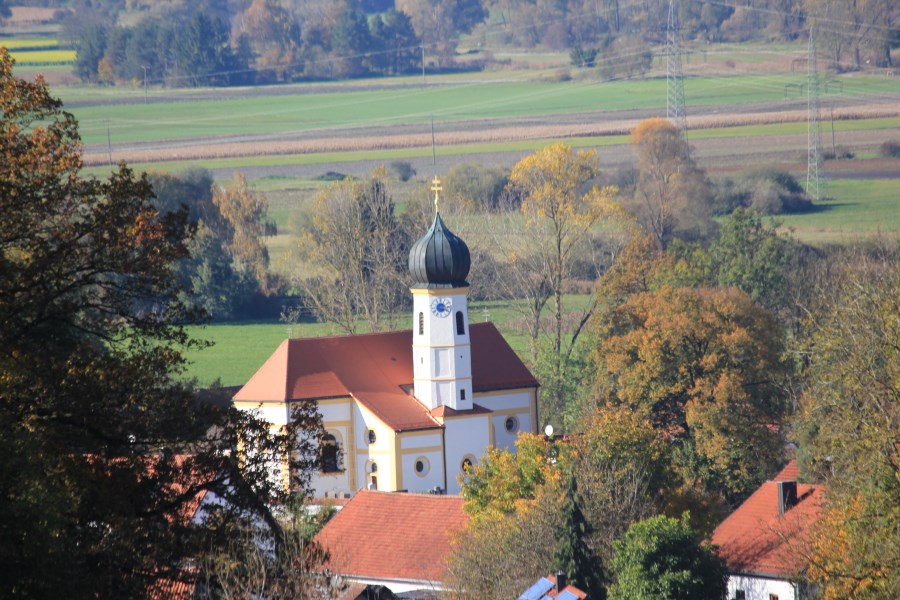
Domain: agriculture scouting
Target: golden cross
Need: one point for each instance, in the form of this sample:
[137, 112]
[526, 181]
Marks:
[436, 188]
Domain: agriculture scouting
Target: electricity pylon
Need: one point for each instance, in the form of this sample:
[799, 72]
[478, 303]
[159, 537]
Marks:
[674, 75]
[815, 174]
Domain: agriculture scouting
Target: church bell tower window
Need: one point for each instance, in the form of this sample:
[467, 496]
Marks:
[460, 323]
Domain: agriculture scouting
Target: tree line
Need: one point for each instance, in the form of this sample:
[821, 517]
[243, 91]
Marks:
[241, 42]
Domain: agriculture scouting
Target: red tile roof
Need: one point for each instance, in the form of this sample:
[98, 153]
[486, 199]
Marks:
[373, 368]
[393, 536]
[790, 472]
[755, 539]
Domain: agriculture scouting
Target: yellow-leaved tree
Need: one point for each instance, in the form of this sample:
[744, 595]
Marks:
[563, 208]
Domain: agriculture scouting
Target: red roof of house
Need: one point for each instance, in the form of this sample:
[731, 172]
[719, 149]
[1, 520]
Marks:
[756, 539]
[373, 368]
[393, 536]
[790, 472]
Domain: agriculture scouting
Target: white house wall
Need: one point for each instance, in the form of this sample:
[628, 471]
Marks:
[760, 588]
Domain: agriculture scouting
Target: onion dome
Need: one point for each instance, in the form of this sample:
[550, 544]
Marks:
[439, 258]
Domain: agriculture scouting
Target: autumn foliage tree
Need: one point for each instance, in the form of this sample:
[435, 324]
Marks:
[672, 194]
[105, 450]
[849, 427]
[705, 366]
[358, 267]
[561, 205]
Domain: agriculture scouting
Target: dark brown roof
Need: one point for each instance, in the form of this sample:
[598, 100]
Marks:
[374, 368]
[383, 535]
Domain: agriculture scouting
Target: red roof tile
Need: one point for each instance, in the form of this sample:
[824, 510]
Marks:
[755, 539]
[383, 535]
[790, 472]
[373, 368]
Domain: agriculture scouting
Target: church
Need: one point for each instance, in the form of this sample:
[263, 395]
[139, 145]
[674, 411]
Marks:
[405, 410]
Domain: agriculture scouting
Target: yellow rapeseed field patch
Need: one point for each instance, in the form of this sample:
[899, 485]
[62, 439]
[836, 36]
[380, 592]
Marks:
[44, 57]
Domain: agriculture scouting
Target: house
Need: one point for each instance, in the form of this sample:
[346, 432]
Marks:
[764, 540]
[405, 410]
[553, 587]
[397, 540]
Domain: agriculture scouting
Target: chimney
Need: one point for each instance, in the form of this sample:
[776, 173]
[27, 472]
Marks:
[560, 581]
[787, 496]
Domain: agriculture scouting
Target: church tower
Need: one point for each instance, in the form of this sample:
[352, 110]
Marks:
[439, 263]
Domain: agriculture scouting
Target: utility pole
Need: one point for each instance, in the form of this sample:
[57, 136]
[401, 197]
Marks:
[675, 110]
[145, 83]
[423, 63]
[108, 141]
[814, 168]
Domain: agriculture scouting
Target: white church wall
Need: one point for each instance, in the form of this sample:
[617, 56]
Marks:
[761, 588]
[275, 413]
[376, 452]
[422, 449]
[336, 420]
[512, 415]
[465, 438]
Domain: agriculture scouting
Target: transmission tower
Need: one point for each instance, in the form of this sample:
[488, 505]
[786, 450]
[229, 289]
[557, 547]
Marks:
[674, 75]
[815, 174]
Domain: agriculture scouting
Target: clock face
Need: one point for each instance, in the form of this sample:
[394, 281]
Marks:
[440, 307]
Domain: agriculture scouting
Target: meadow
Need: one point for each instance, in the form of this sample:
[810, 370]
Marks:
[165, 117]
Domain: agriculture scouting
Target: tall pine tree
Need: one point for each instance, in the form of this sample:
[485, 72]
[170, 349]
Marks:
[573, 556]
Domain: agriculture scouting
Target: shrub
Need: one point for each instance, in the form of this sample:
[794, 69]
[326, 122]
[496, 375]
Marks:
[768, 191]
[403, 170]
[838, 153]
[480, 188]
[890, 148]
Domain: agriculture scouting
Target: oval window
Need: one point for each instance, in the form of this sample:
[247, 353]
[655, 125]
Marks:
[511, 424]
[370, 436]
[421, 466]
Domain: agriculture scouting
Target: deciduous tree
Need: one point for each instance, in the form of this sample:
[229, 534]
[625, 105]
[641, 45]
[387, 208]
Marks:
[672, 194]
[562, 206]
[706, 366]
[663, 557]
[849, 424]
[105, 451]
[355, 243]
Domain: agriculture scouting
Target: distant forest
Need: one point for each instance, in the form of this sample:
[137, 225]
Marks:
[179, 43]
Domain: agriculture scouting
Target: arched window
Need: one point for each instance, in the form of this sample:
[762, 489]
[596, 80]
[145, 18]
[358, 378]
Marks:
[329, 451]
[421, 323]
[460, 323]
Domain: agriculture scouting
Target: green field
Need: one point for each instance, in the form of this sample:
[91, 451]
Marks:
[158, 120]
[858, 209]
